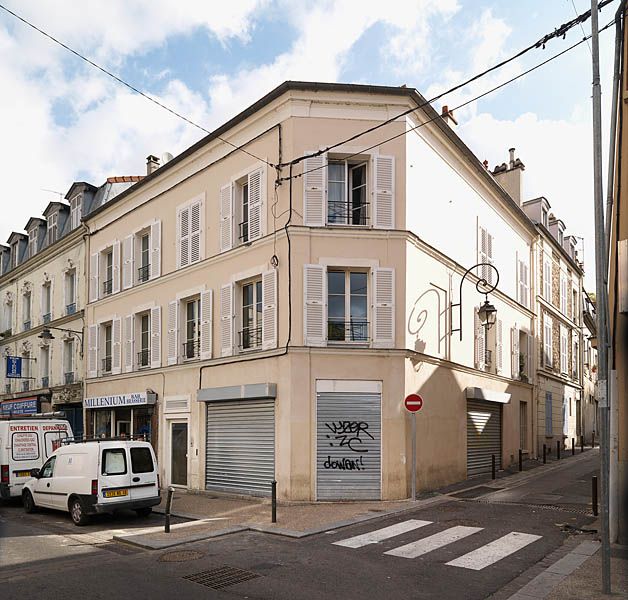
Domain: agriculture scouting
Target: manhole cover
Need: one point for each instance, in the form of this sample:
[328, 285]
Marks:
[180, 556]
[221, 577]
[475, 492]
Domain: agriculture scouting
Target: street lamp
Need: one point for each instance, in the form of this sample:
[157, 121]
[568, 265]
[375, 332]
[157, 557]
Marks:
[487, 313]
[47, 336]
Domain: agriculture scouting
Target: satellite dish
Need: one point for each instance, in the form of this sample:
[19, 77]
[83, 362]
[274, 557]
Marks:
[166, 157]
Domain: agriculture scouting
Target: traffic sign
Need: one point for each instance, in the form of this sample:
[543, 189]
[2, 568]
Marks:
[413, 402]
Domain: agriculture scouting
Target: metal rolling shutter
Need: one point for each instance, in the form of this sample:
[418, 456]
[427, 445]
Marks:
[240, 454]
[484, 436]
[348, 448]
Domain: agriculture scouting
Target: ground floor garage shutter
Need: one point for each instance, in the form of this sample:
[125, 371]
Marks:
[348, 446]
[484, 436]
[240, 454]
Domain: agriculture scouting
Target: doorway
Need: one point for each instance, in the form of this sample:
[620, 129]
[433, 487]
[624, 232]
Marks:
[179, 453]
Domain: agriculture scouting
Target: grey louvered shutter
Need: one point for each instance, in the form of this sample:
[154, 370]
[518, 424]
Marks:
[206, 324]
[92, 351]
[384, 192]
[384, 308]
[115, 284]
[155, 249]
[93, 277]
[314, 305]
[269, 309]
[116, 358]
[315, 191]
[173, 332]
[127, 262]
[155, 337]
[226, 319]
[226, 217]
[129, 335]
[256, 204]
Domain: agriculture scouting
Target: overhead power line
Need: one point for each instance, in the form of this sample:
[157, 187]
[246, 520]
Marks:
[474, 99]
[130, 86]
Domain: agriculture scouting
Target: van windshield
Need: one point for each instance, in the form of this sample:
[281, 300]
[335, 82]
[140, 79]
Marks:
[141, 460]
[114, 462]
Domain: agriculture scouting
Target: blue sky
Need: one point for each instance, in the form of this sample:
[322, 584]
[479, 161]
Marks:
[63, 120]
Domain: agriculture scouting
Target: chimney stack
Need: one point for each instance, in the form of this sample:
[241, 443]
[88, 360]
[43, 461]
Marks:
[152, 164]
[510, 177]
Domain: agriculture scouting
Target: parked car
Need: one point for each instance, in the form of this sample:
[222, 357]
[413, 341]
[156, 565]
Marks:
[95, 476]
[25, 443]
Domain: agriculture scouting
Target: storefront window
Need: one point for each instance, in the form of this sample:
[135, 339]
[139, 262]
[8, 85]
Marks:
[102, 423]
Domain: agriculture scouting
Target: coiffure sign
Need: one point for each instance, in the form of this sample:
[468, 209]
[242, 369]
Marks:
[135, 399]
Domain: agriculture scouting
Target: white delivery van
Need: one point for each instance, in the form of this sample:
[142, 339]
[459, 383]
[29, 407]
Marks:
[25, 444]
[96, 476]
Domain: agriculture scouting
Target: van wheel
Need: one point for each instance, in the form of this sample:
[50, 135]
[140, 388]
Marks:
[77, 512]
[28, 502]
[144, 512]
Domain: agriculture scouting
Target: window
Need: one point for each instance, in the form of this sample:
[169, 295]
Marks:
[47, 470]
[544, 217]
[244, 213]
[547, 280]
[547, 341]
[32, 242]
[560, 236]
[114, 461]
[52, 228]
[251, 334]
[191, 347]
[68, 361]
[563, 350]
[70, 292]
[44, 366]
[46, 302]
[141, 460]
[107, 284]
[26, 313]
[143, 272]
[107, 348]
[347, 301]
[8, 316]
[14, 254]
[347, 193]
[102, 423]
[574, 306]
[75, 210]
[26, 371]
[143, 356]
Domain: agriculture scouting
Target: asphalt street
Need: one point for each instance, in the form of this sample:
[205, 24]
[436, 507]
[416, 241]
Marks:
[465, 548]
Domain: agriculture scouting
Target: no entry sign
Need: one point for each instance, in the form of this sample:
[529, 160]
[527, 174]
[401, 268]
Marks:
[413, 402]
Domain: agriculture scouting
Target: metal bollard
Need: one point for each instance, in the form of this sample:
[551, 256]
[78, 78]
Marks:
[581, 444]
[573, 447]
[594, 494]
[520, 459]
[492, 466]
[558, 450]
[168, 507]
[274, 501]
[544, 453]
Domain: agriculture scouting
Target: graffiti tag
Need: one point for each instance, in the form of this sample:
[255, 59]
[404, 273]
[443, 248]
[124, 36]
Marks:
[344, 464]
[349, 434]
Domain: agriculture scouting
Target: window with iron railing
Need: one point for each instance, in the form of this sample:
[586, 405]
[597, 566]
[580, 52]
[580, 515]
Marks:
[143, 358]
[68, 377]
[250, 337]
[143, 273]
[26, 385]
[70, 309]
[347, 331]
[26, 325]
[251, 333]
[106, 364]
[347, 194]
[347, 301]
[45, 381]
[192, 349]
[107, 286]
[46, 318]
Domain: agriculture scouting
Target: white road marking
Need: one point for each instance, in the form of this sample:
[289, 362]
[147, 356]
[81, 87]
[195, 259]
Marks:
[373, 537]
[494, 551]
[432, 542]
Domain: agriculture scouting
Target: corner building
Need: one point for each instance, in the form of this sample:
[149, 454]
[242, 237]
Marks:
[267, 327]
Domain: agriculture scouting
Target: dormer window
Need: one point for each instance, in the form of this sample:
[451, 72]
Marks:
[14, 257]
[76, 205]
[544, 217]
[32, 242]
[52, 228]
[560, 236]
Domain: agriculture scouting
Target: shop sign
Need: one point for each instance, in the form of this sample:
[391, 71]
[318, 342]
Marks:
[27, 406]
[14, 367]
[114, 401]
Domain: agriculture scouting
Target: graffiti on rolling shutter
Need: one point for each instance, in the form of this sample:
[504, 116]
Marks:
[350, 435]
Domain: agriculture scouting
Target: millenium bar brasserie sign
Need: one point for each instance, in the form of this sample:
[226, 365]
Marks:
[133, 399]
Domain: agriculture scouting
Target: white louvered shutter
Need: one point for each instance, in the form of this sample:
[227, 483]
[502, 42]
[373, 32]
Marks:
[525, 285]
[480, 342]
[489, 252]
[269, 309]
[529, 357]
[155, 249]
[93, 277]
[115, 284]
[155, 337]
[92, 351]
[127, 263]
[226, 319]
[206, 324]
[196, 232]
[129, 337]
[173, 332]
[183, 236]
[383, 308]
[547, 342]
[52, 300]
[314, 305]
[482, 252]
[514, 346]
[315, 191]
[384, 192]
[547, 280]
[256, 204]
[226, 217]
[499, 347]
[116, 351]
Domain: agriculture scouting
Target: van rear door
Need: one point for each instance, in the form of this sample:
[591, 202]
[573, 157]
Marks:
[114, 477]
[24, 453]
[143, 471]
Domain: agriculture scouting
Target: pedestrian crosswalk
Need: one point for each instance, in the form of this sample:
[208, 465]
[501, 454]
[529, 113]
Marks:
[476, 560]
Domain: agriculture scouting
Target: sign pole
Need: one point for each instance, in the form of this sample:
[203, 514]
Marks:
[413, 456]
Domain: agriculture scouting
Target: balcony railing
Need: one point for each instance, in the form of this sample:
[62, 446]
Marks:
[45, 381]
[106, 364]
[26, 385]
[68, 377]
[143, 273]
[250, 337]
[342, 213]
[46, 318]
[70, 309]
[143, 358]
[243, 228]
[191, 349]
[107, 286]
[26, 326]
[347, 331]
[7, 388]
[488, 357]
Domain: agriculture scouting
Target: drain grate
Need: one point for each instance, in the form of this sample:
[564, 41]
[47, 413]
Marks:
[475, 492]
[221, 577]
[576, 511]
[180, 556]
